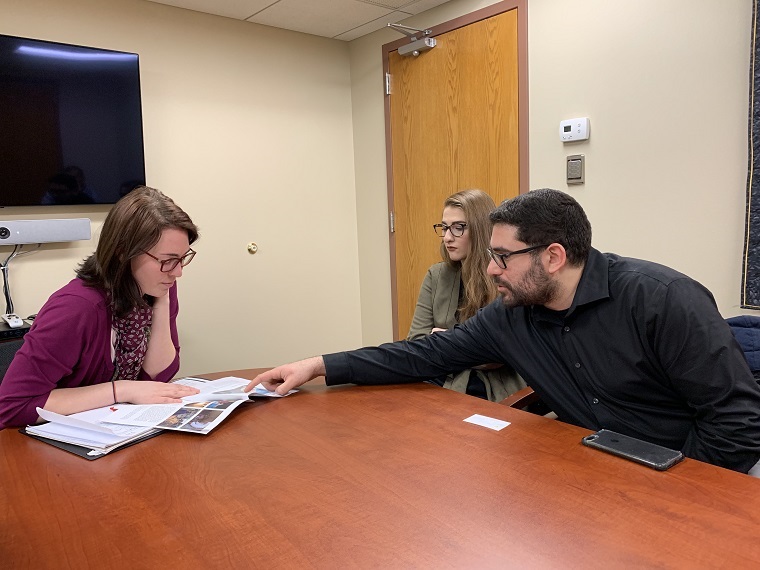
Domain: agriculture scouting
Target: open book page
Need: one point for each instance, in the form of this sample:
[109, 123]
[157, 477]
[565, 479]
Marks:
[195, 417]
[197, 414]
[227, 388]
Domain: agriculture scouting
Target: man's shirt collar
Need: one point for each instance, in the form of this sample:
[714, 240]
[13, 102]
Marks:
[593, 286]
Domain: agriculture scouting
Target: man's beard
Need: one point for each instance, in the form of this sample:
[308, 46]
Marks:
[535, 288]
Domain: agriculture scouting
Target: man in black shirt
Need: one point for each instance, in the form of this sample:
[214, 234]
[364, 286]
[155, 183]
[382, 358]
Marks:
[606, 341]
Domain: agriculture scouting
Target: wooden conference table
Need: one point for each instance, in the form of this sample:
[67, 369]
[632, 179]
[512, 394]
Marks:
[370, 477]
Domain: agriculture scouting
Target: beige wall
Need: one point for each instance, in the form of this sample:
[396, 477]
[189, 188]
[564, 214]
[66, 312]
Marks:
[665, 84]
[277, 137]
[248, 128]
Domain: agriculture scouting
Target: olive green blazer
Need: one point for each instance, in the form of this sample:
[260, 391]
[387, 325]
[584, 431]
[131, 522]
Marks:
[436, 308]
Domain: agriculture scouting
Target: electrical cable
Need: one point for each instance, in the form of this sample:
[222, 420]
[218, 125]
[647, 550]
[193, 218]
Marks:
[17, 252]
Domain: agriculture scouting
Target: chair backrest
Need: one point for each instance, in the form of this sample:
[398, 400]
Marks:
[8, 348]
[746, 330]
[521, 399]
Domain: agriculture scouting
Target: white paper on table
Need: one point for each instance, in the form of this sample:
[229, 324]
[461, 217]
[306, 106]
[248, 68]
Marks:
[75, 435]
[72, 421]
[485, 421]
[87, 429]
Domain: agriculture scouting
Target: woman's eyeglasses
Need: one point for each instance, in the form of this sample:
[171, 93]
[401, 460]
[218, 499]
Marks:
[168, 265]
[456, 229]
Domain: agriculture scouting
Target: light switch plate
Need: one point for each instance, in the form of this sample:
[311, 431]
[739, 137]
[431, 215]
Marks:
[575, 169]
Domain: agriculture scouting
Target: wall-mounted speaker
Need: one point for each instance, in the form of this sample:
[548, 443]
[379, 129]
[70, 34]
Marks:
[16, 232]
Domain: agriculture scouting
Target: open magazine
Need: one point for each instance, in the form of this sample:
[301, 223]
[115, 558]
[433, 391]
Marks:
[199, 413]
[104, 429]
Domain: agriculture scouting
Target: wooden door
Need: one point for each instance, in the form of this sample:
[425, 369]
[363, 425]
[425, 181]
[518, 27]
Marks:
[454, 124]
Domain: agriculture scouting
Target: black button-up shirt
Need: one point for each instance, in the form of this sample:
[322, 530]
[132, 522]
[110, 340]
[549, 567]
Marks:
[642, 351]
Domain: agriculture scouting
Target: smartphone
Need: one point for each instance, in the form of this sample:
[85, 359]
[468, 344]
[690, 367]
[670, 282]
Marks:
[649, 454]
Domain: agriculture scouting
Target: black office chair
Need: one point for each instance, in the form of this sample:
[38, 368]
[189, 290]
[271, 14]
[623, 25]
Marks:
[8, 349]
[746, 330]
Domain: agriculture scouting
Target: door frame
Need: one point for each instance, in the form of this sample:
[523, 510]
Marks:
[522, 108]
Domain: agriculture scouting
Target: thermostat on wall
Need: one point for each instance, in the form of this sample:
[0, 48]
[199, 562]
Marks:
[571, 130]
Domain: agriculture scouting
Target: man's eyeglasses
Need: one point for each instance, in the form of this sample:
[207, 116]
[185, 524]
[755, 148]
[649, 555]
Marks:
[500, 259]
[457, 229]
[168, 265]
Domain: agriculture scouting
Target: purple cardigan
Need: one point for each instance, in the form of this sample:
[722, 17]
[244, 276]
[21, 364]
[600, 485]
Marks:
[69, 345]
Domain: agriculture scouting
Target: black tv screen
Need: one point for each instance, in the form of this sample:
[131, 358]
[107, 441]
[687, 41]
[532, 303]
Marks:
[70, 124]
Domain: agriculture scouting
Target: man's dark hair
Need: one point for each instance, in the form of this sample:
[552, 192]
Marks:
[548, 216]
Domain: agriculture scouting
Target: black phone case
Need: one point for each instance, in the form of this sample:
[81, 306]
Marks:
[649, 454]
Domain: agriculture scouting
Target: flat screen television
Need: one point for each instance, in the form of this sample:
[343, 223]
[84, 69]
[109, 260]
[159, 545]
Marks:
[70, 124]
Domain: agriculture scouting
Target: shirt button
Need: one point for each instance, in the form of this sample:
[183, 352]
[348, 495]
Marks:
[566, 329]
[595, 401]
[577, 364]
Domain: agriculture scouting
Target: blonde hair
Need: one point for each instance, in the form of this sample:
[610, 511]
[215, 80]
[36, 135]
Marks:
[479, 288]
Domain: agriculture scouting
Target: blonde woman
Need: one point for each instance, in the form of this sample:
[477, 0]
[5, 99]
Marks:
[454, 290]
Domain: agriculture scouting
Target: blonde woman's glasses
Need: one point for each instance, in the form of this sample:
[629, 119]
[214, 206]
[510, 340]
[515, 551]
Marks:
[457, 229]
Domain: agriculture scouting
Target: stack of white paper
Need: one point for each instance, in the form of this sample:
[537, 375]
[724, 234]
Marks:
[88, 429]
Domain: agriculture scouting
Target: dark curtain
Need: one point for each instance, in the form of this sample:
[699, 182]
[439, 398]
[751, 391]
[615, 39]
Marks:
[751, 265]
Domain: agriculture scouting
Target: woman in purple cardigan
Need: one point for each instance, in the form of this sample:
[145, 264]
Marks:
[114, 324]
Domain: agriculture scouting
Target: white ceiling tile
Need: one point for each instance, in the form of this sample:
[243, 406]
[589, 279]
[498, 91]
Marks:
[328, 19]
[422, 5]
[341, 19]
[395, 4]
[373, 26]
[239, 9]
